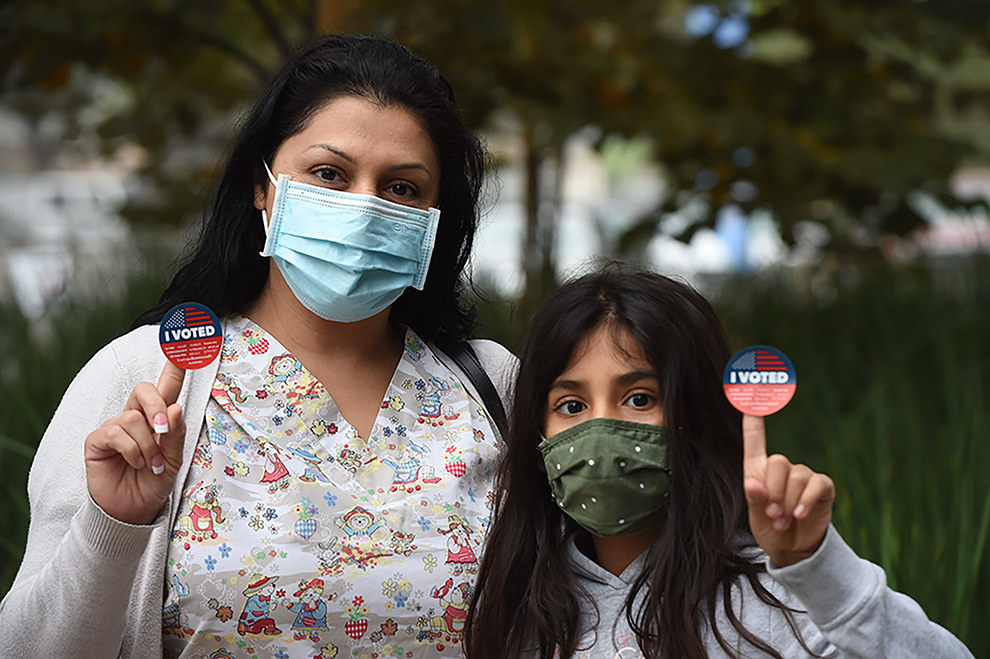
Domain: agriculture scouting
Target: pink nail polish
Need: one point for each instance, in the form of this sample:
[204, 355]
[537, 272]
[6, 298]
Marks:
[157, 465]
[160, 423]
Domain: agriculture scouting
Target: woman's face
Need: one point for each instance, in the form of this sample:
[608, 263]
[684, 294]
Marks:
[608, 376]
[354, 145]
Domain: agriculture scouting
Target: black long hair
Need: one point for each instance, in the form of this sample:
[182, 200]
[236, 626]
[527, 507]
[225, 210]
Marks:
[526, 597]
[225, 271]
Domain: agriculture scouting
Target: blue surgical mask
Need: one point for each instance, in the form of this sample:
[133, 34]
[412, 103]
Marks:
[347, 256]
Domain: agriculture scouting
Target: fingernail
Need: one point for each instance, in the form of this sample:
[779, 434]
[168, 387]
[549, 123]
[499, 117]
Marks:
[160, 424]
[780, 523]
[799, 511]
[773, 510]
[157, 465]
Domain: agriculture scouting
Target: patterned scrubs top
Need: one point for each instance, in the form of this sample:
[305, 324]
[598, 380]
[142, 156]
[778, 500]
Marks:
[296, 537]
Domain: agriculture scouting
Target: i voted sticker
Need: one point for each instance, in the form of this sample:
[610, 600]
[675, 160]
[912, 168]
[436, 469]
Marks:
[190, 335]
[759, 380]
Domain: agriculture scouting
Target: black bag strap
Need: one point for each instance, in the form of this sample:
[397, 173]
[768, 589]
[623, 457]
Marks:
[467, 360]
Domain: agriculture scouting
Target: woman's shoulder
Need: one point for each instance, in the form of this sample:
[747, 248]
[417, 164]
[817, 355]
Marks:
[106, 379]
[136, 342]
[133, 357]
[135, 354]
[499, 363]
[494, 357]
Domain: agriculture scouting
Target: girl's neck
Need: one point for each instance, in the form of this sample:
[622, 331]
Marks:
[616, 553]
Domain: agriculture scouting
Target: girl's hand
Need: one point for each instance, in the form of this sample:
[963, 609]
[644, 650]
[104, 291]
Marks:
[132, 460]
[790, 506]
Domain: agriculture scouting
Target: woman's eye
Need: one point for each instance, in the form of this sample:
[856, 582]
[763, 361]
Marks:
[401, 190]
[329, 175]
[572, 407]
[640, 400]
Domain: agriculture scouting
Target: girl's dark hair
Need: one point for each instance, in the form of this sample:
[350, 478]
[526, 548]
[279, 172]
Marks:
[225, 271]
[527, 597]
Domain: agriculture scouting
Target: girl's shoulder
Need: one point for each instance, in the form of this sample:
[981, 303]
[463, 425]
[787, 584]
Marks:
[766, 608]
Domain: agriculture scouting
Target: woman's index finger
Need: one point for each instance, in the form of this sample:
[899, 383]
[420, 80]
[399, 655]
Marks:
[170, 382]
[754, 438]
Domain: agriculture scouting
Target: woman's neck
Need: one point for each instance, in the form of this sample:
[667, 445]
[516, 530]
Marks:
[279, 312]
[616, 553]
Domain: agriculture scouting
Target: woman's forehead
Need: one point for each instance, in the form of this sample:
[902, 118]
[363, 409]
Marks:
[355, 124]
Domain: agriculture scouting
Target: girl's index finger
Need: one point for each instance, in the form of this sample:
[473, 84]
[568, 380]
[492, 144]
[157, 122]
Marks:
[170, 382]
[754, 438]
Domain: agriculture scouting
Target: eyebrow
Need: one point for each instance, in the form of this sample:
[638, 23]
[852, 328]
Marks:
[345, 156]
[624, 379]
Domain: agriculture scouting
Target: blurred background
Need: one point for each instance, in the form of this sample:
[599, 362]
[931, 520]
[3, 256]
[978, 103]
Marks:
[820, 170]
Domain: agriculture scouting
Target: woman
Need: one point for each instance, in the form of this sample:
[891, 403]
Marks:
[287, 500]
[641, 516]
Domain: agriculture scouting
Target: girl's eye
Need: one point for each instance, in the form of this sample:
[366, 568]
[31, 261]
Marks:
[571, 407]
[640, 400]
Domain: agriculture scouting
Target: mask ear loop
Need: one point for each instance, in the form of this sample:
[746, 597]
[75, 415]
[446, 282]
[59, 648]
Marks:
[264, 213]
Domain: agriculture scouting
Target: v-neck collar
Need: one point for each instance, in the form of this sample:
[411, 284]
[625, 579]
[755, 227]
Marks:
[255, 361]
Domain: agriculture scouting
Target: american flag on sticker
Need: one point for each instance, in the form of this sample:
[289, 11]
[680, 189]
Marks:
[760, 359]
[187, 316]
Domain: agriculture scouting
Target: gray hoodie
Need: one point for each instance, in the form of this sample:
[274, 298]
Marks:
[850, 611]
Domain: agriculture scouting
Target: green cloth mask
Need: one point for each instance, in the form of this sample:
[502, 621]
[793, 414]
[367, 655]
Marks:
[609, 476]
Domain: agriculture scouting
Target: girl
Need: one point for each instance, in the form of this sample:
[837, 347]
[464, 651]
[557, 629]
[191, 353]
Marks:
[640, 515]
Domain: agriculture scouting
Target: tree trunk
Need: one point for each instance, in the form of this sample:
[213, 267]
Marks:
[531, 247]
[339, 16]
[550, 221]
[542, 213]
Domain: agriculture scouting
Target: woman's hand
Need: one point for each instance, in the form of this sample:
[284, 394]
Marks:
[132, 460]
[790, 506]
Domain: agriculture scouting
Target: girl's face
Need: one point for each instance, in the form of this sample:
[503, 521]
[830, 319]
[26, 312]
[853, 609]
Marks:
[608, 376]
[354, 145]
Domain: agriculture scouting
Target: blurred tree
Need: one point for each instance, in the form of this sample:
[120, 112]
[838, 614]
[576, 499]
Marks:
[825, 111]
[833, 112]
[820, 111]
[160, 77]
